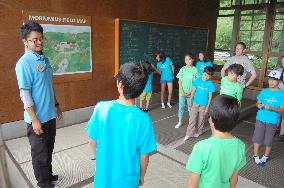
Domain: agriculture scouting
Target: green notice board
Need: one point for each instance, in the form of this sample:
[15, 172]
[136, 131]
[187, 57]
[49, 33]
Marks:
[140, 41]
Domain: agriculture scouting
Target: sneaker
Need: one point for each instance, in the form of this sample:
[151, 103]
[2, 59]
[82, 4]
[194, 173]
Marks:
[169, 105]
[163, 105]
[195, 135]
[186, 138]
[264, 160]
[178, 125]
[257, 161]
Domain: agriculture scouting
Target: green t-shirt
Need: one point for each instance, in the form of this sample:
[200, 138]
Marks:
[215, 160]
[232, 89]
[187, 75]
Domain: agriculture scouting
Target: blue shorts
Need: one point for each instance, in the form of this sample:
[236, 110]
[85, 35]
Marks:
[166, 81]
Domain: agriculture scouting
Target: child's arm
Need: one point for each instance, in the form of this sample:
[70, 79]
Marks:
[156, 70]
[193, 180]
[191, 95]
[144, 160]
[93, 144]
[173, 69]
[234, 179]
[209, 101]
[181, 89]
[279, 110]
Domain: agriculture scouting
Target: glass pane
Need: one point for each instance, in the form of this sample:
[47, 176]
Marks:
[272, 63]
[257, 36]
[248, 2]
[260, 17]
[247, 12]
[246, 18]
[258, 25]
[255, 46]
[279, 16]
[226, 12]
[224, 33]
[245, 36]
[245, 25]
[279, 25]
[225, 3]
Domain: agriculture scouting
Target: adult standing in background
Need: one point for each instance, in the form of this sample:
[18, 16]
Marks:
[281, 86]
[34, 75]
[242, 59]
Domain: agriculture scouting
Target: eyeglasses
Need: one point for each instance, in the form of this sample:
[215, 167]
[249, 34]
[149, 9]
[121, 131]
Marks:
[35, 41]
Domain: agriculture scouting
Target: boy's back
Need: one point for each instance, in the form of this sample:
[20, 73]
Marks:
[216, 159]
[122, 134]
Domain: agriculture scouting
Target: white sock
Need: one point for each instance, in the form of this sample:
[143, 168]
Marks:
[256, 159]
[264, 158]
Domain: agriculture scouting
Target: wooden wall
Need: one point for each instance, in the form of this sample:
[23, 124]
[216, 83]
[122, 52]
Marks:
[201, 13]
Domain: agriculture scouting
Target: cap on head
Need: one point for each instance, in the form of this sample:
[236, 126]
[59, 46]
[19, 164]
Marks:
[275, 75]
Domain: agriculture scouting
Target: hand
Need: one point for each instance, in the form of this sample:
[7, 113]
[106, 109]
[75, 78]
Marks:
[37, 127]
[190, 103]
[183, 94]
[267, 107]
[259, 105]
[206, 109]
[141, 181]
[59, 114]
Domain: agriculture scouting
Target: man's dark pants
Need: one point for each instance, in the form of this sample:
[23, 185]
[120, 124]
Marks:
[41, 149]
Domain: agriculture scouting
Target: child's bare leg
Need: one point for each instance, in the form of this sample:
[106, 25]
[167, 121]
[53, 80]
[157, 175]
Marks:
[170, 90]
[255, 149]
[147, 104]
[141, 104]
[282, 126]
[267, 151]
[163, 87]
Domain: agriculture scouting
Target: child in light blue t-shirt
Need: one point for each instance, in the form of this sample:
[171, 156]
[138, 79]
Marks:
[203, 62]
[122, 134]
[200, 98]
[270, 102]
[166, 69]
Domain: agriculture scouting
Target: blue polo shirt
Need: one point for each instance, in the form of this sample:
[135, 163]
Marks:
[274, 98]
[203, 88]
[122, 134]
[200, 65]
[166, 69]
[148, 87]
[35, 74]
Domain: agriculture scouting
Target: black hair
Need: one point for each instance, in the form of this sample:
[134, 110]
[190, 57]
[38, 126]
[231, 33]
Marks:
[133, 77]
[162, 56]
[238, 69]
[209, 70]
[224, 111]
[205, 56]
[243, 44]
[149, 67]
[30, 26]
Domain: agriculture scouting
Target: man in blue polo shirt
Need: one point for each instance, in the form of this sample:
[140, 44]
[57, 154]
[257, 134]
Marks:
[34, 75]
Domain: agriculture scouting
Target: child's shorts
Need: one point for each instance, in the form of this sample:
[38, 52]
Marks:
[146, 96]
[264, 133]
[166, 81]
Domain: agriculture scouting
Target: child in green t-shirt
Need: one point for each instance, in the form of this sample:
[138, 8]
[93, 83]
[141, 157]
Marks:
[186, 76]
[230, 85]
[216, 161]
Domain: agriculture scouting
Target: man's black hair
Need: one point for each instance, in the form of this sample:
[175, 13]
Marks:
[30, 26]
[224, 111]
[236, 68]
[243, 44]
[209, 70]
[134, 78]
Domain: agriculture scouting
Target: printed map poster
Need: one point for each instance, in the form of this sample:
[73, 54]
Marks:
[67, 41]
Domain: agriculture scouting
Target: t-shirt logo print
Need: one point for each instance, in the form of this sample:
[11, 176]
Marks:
[40, 68]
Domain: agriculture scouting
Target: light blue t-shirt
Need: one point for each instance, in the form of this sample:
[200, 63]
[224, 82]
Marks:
[166, 69]
[122, 134]
[148, 87]
[35, 74]
[200, 65]
[272, 98]
[203, 88]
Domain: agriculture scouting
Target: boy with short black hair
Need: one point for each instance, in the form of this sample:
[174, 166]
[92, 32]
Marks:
[122, 134]
[216, 161]
[270, 102]
[230, 85]
[200, 98]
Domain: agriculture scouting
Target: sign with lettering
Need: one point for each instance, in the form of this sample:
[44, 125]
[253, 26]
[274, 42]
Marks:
[67, 41]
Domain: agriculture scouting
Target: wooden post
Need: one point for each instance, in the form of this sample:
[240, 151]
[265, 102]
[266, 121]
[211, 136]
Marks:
[4, 178]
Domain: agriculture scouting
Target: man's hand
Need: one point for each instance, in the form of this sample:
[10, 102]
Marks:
[37, 127]
[59, 114]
